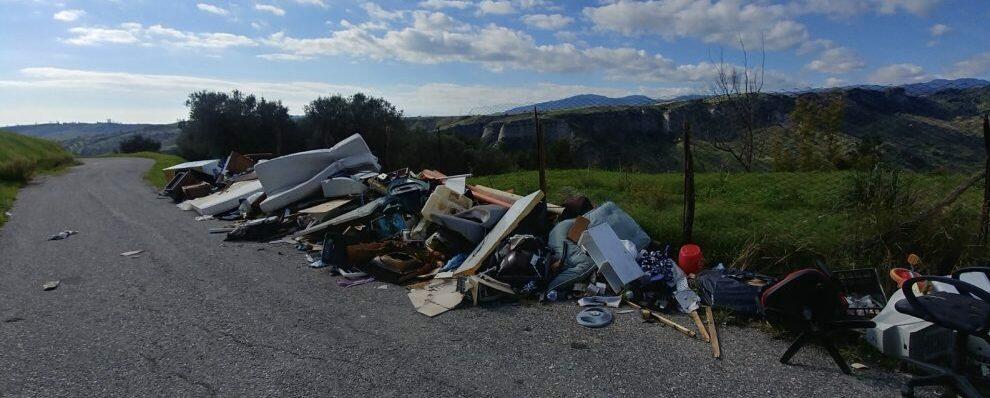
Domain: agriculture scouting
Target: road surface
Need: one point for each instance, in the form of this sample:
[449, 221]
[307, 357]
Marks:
[194, 316]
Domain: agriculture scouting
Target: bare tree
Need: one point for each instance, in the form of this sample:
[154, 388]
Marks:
[737, 90]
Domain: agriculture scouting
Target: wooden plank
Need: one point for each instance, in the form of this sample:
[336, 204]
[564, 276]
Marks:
[716, 347]
[701, 326]
[327, 207]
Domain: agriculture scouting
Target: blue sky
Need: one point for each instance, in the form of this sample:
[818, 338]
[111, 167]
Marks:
[136, 61]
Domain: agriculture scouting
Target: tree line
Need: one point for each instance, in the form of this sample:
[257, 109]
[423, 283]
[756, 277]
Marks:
[221, 122]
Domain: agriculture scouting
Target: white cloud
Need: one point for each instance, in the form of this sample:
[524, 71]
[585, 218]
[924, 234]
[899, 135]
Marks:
[497, 49]
[899, 74]
[547, 22]
[834, 82]
[270, 9]
[68, 15]
[441, 4]
[536, 3]
[566, 35]
[376, 12]
[319, 3]
[919, 7]
[212, 9]
[117, 92]
[835, 8]
[284, 57]
[97, 36]
[836, 60]
[133, 33]
[495, 7]
[975, 66]
[851, 8]
[939, 30]
[724, 22]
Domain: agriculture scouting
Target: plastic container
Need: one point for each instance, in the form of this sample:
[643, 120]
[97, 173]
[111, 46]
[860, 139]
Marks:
[690, 260]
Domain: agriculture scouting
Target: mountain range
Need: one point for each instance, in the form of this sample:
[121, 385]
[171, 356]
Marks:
[607, 132]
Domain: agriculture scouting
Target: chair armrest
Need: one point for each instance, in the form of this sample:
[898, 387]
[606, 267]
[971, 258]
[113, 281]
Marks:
[984, 270]
[961, 287]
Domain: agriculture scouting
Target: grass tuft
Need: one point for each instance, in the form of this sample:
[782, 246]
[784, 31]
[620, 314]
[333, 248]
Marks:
[21, 158]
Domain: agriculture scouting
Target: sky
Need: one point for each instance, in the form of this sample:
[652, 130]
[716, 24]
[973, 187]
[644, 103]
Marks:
[138, 60]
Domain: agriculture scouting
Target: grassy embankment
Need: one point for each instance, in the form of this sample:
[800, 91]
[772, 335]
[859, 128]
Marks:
[774, 222]
[22, 157]
[154, 175]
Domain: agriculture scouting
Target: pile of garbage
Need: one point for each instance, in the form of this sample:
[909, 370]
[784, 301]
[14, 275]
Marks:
[452, 244]
[445, 239]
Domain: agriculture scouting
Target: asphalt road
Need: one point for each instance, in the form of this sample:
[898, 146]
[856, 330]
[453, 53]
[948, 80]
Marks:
[194, 316]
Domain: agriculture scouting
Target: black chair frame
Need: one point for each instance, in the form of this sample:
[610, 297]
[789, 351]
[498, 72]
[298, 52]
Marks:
[953, 376]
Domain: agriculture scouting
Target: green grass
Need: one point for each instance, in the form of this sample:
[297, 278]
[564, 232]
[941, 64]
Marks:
[771, 221]
[22, 157]
[154, 175]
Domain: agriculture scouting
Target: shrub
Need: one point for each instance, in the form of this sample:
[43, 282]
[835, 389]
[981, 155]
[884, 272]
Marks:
[881, 188]
[139, 143]
[17, 170]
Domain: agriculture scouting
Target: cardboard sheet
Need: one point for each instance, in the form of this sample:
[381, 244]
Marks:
[437, 297]
[519, 210]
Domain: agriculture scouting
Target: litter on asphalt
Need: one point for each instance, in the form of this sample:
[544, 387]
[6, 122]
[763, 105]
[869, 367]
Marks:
[454, 244]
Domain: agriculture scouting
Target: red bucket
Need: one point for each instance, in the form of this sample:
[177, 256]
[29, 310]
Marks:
[690, 259]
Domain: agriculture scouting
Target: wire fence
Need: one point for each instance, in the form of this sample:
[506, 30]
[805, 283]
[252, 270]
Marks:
[878, 170]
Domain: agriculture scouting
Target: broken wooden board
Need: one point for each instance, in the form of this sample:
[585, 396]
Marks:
[510, 197]
[494, 284]
[580, 225]
[325, 208]
[519, 210]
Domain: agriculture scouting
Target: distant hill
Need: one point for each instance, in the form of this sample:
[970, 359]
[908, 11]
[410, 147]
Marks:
[91, 139]
[934, 86]
[71, 130]
[584, 101]
[921, 132]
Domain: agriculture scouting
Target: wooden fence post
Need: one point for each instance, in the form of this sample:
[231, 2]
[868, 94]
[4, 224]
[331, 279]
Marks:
[541, 152]
[985, 208]
[688, 225]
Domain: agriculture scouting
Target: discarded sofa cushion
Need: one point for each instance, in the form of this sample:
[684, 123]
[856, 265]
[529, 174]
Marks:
[472, 224]
[576, 265]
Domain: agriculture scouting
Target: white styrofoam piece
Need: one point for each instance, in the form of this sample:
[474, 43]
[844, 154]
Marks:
[211, 167]
[444, 201]
[280, 200]
[285, 172]
[457, 184]
[226, 200]
[613, 260]
[342, 186]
